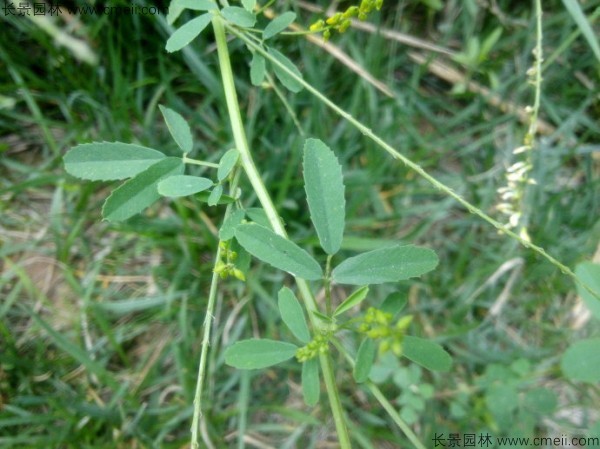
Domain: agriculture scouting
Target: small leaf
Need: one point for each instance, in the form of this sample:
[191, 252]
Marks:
[278, 24]
[324, 187]
[183, 185]
[226, 164]
[589, 274]
[215, 195]
[188, 32]
[289, 82]
[239, 16]
[275, 250]
[365, 357]
[107, 161]
[179, 128]
[581, 361]
[426, 353]
[292, 315]
[141, 191]
[311, 387]
[394, 303]
[385, 265]
[227, 229]
[257, 353]
[257, 69]
[249, 5]
[354, 299]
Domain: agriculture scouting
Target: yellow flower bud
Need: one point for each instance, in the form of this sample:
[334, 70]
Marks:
[317, 26]
[335, 19]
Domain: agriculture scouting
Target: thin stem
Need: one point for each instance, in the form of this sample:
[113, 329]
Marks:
[187, 160]
[247, 162]
[413, 165]
[210, 307]
[328, 286]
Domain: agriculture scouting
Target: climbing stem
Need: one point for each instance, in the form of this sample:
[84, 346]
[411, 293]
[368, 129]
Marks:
[253, 175]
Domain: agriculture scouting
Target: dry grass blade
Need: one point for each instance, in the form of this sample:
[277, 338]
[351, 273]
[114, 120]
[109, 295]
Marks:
[341, 56]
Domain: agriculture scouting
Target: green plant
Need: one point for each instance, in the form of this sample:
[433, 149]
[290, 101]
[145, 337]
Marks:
[152, 174]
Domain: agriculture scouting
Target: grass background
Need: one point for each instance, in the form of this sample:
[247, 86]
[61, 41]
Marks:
[100, 323]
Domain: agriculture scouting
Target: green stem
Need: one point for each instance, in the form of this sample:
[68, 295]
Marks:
[187, 160]
[247, 162]
[412, 165]
[210, 307]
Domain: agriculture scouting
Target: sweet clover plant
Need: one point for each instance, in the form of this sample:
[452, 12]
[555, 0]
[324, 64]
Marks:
[314, 328]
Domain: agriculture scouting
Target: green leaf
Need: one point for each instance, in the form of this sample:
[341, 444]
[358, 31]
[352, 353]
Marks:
[385, 265]
[141, 191]
[278, 24]
[226, 164]
[285, 78]
[582, 22]
[394, 303]
[275, 250]
[589, 274]
[311, 387]
[179, 128]
[183, 185]
[426, 353]
[107, 161]
[249, 5]
[292, 315]
[324, 187]
[258, 215]
[215, 195]
[228, 228]
[581, 361]
[257, 69]
[188, 32]
[256, 353]
[239, 16]
[364, 360]
[354, 299]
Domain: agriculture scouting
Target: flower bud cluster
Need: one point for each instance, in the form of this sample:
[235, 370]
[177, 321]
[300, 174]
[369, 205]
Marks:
[377, 324]
[341, 21]
[226, 268]
[318, 345]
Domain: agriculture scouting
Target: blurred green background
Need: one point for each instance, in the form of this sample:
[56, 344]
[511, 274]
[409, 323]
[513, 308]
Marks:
[100, 323]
